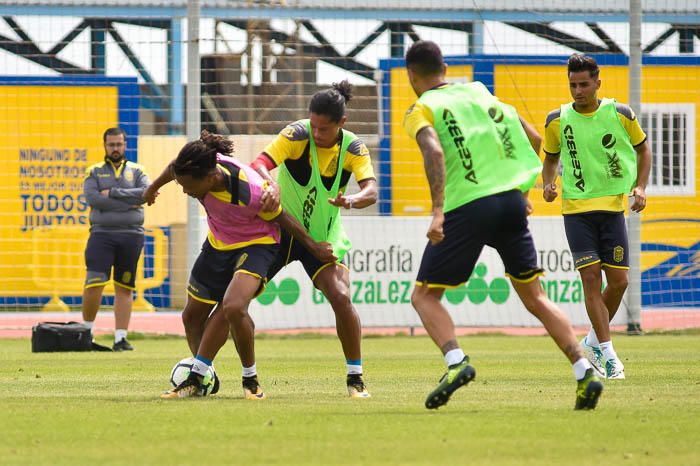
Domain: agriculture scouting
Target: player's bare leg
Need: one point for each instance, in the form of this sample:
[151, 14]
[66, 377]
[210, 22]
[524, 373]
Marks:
[559, 328]
[440, 327]
[334, 283]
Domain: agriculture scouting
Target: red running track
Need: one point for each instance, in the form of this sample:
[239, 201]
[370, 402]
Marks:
[19, 324]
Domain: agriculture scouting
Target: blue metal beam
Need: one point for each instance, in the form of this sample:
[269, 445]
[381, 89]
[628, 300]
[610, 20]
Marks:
[98, 50]
[177, 98]
[382, 14]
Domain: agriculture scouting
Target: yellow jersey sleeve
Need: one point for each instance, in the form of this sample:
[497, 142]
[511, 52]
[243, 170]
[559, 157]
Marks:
[552, 138]
[288, 144]
[358, 161]
[631, 124]
[417, 117]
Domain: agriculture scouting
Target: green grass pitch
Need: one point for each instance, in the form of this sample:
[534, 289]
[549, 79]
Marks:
[103, 408]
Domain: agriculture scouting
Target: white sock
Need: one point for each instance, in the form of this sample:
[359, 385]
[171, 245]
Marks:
[250, 371]
[119, 334]
[608, 350]
[354, 368]
[592, 338]
[200, 367]
[580, 368]
[89, 324]
[454, 356]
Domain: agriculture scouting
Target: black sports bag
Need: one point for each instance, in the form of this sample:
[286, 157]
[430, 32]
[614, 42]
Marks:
[61, 336]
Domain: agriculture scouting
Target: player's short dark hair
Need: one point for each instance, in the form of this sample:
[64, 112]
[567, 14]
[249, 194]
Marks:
[580, 62]
[425, 58]
[331, 102]
[116, 131]
[198, 158]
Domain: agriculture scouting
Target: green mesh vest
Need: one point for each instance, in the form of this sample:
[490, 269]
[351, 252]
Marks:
[309, 204]
[485, 146]
[597, 156]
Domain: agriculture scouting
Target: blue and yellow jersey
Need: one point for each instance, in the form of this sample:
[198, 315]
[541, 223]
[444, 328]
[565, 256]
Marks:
[291, 147]
[418, 116]
[552, 146]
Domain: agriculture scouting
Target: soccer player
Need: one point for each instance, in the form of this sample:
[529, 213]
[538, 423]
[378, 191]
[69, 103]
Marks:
[479, 161]
[231, 269]
[316, 158]
[604, 156]
[114, 191]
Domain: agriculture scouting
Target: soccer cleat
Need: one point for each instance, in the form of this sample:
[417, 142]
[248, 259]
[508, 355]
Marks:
[594, 356]
[588, 391]
[191, 386]
[356, 386]
[217, 384]
[252, 389]
[123, 345]
[614, 369]
[457, 375]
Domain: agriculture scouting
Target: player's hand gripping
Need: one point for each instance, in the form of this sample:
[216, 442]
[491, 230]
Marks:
[550, 192]
[323, 251]
[342, 201]
[435, 234]
[150, 195]
[270, 199]
[640, 199]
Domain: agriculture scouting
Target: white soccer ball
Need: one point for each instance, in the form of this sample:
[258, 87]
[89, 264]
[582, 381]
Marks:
[182, 370]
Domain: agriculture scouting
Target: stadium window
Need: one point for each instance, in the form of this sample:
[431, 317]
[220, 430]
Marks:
[670, 129]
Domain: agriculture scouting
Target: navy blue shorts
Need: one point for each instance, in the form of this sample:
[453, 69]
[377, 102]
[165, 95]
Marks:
[106, 250]
[214, 269]
[499, 221]
[598, 237]
[291, 250]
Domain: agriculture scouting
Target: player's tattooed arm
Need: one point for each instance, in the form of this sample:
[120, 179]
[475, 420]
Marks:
[434, 164]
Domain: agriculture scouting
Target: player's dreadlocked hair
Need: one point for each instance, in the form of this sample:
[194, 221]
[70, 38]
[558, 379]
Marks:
[198, 158]
[331, 102]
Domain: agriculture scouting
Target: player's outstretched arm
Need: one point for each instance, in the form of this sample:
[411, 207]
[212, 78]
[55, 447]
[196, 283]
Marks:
[322, 251]
[532, 135]
[434, 164]
[365, 197]
[643, 169]
[150, 194]
[271, 197]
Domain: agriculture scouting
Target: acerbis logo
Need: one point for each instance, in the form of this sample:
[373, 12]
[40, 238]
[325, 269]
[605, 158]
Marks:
[286, 290]
[477, 289]
[308, 208]
[573, 153]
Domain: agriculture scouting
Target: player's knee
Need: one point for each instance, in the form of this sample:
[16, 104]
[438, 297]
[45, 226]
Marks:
[190, 318]
[339, 299]
[590, 279]
[419, 296]
[234, 308]
[618, 283]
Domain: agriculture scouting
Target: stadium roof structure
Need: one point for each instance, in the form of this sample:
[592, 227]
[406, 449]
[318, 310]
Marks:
[671, 11]
[397, 17]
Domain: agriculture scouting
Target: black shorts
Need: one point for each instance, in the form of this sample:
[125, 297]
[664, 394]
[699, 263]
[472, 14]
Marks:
[106, 250]
[499, 221]
[291, 250]
[214, 269]
[598, 237]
